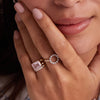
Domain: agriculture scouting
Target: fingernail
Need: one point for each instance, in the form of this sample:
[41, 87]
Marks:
[16, 34]
[18, 17]
[14, 1]
[37, 13]
[19, 8]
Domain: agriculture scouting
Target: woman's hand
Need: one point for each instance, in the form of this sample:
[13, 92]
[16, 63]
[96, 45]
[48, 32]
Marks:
[69, 79]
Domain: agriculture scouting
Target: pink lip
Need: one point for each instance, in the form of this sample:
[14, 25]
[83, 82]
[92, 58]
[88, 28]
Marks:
[73, 26]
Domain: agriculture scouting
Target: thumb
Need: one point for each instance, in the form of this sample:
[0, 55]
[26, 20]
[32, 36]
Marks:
[95, 64]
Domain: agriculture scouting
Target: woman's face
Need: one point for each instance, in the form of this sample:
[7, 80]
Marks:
[86, 39]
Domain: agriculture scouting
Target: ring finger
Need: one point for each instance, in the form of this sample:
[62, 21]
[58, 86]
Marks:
[30, 48]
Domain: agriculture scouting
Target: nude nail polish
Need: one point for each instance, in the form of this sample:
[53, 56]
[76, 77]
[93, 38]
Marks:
[19, 8]
[37, 13]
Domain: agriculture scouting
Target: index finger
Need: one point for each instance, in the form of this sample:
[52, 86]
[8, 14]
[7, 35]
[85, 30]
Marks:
[59, 43]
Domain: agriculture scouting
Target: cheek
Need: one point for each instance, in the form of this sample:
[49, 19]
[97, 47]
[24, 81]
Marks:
[30, 3]
[96, 1]
[85, 43]
[35, 4]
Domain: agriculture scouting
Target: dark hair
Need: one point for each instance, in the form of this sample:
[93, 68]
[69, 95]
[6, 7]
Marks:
[7, 51]
[8, 59]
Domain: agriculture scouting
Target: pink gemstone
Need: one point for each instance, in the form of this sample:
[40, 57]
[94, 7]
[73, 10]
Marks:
[36, 65]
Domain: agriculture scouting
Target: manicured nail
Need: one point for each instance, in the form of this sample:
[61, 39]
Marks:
[19, 8]
[37, 13]
[18, 17]
[14, 1]
[16, 34]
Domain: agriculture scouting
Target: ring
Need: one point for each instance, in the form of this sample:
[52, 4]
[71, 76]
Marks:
[50, 59]
[38, 65]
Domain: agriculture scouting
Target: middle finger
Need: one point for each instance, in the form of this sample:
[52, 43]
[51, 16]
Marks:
[31, 50]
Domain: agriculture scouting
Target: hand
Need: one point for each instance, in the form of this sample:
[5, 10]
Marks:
[69, 79]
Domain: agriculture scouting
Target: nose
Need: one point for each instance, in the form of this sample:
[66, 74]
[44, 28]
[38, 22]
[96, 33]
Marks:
[66, 3]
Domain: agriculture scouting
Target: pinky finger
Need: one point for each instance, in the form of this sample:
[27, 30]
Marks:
[23, 58]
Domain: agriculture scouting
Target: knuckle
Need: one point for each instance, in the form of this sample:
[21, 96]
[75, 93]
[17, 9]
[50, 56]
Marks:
[23, 59]
[61, 46]
[26, 17]
[21, 27]
[47, 25]
[65, 81]
[48, 85]
[73, 60]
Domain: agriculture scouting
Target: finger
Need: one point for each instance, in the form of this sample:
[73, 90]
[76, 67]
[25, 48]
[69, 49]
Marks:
[95, 64]
[30, 48]
[35, 32]
[23, 58]
[58, 42]
[38, 38]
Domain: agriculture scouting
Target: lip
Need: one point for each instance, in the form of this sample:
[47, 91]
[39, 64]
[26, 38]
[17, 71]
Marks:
[72, 26]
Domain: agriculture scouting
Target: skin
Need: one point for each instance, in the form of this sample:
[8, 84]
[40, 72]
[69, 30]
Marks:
[86, 42]
[73, 78]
